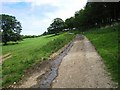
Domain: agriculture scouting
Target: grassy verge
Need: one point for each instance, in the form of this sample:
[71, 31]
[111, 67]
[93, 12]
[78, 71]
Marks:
[106, 42]
[29, 52]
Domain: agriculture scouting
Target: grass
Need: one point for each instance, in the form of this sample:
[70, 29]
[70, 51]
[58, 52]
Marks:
[106, 42]
[29, 52]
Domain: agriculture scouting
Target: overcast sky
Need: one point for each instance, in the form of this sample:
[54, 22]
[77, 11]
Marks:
[36, 15]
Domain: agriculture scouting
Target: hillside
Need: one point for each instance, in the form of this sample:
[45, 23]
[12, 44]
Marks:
[19, 57]
[106, 42]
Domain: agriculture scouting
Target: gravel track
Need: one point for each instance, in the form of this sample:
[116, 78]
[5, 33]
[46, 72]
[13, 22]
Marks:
[77, 65]
[82, 67]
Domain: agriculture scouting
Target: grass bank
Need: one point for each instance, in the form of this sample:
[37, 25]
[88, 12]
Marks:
[28, 52]
[106, 42]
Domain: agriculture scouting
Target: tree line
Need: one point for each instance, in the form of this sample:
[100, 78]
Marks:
[94, 14]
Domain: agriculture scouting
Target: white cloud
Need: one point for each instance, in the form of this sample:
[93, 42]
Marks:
[34, 25]
[41, 2]
[11, 0]
[67, 8]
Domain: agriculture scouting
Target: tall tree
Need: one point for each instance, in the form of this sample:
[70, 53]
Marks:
[56, 26]
[97, 14]
[69, 23]
[10, 28]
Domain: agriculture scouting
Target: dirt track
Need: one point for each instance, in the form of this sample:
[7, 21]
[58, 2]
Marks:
[82, 67]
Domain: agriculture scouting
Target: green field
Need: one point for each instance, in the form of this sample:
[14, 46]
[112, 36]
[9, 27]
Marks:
[29, 52]
[106, 42]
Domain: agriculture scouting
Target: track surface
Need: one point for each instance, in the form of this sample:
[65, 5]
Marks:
[77, 65]
[82, 67]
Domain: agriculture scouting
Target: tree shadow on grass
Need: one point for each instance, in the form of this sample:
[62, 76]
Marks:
[52, 35]
[10, 43]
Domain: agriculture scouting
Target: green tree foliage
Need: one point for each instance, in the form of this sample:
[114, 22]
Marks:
[95, 14]
[56, 26]
[102, 13]
[45, 33]
[69, 23]
[10, 28]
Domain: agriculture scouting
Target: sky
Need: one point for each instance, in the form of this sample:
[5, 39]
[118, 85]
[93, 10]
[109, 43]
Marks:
[36, 16]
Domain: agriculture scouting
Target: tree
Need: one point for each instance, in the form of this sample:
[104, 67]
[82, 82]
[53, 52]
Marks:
[10, 28]
[80, 19]
[69, 23]
[45, 33]
[97, 15]
[56, 26]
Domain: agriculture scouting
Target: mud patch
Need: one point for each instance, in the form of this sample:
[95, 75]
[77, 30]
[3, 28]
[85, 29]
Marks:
[49, 77]
[47, 80]
[31, 75]
[42, 74]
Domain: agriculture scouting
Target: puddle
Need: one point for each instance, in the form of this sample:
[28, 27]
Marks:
[46, 83]
[47, 80]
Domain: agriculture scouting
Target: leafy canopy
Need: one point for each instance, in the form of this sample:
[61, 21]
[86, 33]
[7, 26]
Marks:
[56, 26]
[10, 28]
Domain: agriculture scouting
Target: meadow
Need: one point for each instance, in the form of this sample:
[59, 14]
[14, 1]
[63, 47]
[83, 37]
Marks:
[106, 43]
[29, 52]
